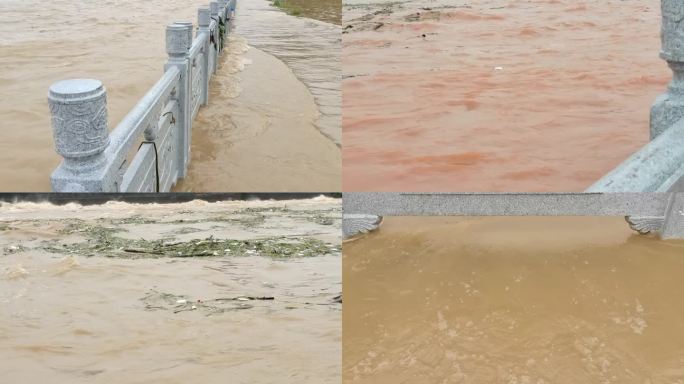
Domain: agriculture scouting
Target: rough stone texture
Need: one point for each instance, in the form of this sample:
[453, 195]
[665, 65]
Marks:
[672, 33]
[155, 114]
[657, 167]
[196, 59]
[214, 7]
[180, 38]
[356, 224]
[674, 219]
[669, 107]
[518, 204]
[203, 18]
[644, 224]
[642, 208]
[177, 41]
[79, 117]
[204, 22]
[142, 177]
[79, 122]
[189, 28]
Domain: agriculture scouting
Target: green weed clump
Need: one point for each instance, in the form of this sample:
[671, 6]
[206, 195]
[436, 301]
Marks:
[102, 242]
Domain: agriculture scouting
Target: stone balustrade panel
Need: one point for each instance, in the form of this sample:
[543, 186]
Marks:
[160, 123]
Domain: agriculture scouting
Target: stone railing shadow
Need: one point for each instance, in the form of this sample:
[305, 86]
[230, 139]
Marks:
[95, 160]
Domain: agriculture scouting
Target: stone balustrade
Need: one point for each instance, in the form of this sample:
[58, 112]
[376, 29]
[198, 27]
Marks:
[160, 124]
[645, 212]
[659, 166]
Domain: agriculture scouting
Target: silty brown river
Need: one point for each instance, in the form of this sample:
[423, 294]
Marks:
[171, 293]
[496, 95]
[512, 300]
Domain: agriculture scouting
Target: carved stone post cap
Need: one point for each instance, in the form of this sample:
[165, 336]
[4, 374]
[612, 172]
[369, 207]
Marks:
[189, 26]
[177, 40]
[671, 32]
[204, 17]
[79, 117]
[74, 91]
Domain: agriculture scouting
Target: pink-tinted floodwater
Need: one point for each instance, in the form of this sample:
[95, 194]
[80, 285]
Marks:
[496, 95]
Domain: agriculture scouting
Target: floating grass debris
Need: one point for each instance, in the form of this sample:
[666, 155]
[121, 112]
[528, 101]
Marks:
[81, 227]
[14, 249]
[160, 301]
[288, 7]
[105, 244]
[136, 219]
[6, 227]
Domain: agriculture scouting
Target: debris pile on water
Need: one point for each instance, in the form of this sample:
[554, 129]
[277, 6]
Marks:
[103, 243]
[155, 300]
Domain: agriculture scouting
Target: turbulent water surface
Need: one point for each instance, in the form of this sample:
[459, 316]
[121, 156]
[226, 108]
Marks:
[275, 125]
[182, 293]
[496, 95]
[274, 120]
[311, 48]
[512, 300]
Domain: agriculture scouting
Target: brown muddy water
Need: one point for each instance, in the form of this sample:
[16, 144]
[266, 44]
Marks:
[45, 42]
[273, 122]
[112, 293]
[512, 300]
[537, 95]
[311, 48]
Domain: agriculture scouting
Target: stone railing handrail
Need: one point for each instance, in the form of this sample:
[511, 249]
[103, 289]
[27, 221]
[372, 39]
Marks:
[96, 160]
[659, 166]
[645, 212]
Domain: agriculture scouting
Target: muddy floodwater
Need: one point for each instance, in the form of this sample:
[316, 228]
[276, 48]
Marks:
[536, 95]
[512, 300]
[274, 122]
[193, 292]
[275, 118]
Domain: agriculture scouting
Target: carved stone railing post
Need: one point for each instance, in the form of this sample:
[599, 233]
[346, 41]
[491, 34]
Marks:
[203, 22]
[669, 107]
[178, 43]
[190, 29]
[79, 125]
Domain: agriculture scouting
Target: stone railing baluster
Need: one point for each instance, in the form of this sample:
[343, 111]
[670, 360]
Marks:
[178, 42]
[203, 22]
